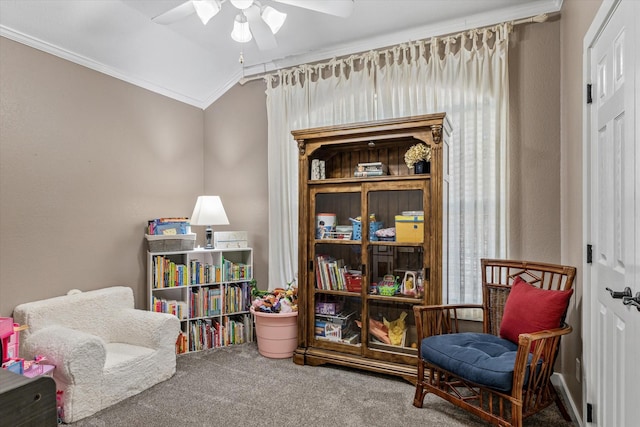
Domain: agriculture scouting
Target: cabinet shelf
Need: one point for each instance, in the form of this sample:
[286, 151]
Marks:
[328, 266]
[336, 292]
[337, 241]
[369, 242]
[394, 348]
[397, 298]
[383, 178]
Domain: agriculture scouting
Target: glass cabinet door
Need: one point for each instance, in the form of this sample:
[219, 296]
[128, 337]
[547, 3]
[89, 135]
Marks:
[369, 267]
[396, 264]
[337, 270]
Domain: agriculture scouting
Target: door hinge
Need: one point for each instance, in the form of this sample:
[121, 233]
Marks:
[310, 265]
[589, 254]
[589, 413]
[589, 97]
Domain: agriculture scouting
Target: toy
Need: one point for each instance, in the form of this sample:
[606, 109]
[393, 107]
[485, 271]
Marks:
[279, 300]
[388, 286]
[396, 329]
[377, 329]
[409, 283]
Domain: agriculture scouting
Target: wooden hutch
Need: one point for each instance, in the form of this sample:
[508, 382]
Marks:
[345, 303]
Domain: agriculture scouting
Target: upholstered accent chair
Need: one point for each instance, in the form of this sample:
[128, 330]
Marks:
[104, 350]
[502, 374]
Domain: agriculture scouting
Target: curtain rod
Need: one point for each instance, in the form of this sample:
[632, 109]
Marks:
[537, 19]
[543, 17]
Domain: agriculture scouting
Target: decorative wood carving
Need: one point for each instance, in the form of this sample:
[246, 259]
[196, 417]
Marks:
[436, 133]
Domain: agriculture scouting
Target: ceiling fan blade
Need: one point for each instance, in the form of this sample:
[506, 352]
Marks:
[341, 8]
[175, 14]
[259, 29]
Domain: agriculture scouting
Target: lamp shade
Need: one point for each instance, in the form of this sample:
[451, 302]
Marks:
[209, 211]
[273, 18]
[241, 32]
[242, 4]
[206, 9]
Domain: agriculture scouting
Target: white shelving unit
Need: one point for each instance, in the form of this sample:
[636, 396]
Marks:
[209, 290]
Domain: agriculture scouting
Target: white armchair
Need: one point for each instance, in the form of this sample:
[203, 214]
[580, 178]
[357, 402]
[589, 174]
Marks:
[104, 350]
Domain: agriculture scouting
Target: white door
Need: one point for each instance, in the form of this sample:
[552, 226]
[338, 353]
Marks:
[612, 216]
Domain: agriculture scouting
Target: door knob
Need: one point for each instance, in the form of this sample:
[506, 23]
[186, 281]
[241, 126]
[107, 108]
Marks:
[617, 294]
[634, 301]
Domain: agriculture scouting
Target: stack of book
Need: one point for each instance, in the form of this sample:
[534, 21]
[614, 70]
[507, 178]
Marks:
[330, 273]
[168, 274]
[205, 302]
[177, 308]
[370, 169]
[235, 271]
[168, 226]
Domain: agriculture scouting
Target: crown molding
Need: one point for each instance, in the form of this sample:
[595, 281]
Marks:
[97, 66]
[223, 88]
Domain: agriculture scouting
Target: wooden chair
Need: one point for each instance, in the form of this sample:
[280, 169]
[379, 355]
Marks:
[487, 374]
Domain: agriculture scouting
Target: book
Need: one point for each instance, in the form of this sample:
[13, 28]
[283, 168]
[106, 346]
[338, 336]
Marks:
[370, 169]
[362, 174]
[330, 273]
[361, 168]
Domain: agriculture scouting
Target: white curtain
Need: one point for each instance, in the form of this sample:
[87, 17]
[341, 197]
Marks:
[465, 76]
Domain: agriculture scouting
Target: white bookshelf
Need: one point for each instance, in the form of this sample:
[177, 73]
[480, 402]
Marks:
[209, 290]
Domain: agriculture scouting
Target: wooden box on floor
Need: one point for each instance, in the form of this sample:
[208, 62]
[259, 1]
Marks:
[27, 401]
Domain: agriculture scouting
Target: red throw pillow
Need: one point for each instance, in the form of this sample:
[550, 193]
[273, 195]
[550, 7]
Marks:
[531, 309]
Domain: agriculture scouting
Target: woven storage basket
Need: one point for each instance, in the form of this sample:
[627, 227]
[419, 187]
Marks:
[170, 243]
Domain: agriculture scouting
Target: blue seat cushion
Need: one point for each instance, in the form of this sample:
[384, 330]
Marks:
[484, 359]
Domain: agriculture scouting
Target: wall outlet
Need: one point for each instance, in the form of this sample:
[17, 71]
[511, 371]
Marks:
[578, 370]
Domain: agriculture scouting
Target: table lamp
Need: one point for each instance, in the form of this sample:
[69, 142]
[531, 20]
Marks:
[209, 211]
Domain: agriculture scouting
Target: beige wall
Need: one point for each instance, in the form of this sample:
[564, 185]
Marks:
[534, 142]
[85, 161]
[235, 154]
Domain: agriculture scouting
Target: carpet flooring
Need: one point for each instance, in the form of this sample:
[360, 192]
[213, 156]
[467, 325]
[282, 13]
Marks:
[236, 386]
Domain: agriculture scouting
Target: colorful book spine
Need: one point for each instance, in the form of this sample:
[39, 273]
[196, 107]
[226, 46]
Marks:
[234, 271]
[201, 273]
[330, 273]
[177, 308]
[168, 274]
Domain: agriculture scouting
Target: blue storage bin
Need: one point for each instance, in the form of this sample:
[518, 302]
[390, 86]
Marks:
[373, 227]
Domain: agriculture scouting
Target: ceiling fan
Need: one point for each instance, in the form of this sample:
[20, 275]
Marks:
[254, 21]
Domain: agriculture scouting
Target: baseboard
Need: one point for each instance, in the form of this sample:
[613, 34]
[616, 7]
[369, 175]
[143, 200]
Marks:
[558, 381]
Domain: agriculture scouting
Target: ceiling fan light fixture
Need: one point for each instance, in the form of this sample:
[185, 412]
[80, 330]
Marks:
[273, 18]
[206, 9]
[242, 4]
[241, 32]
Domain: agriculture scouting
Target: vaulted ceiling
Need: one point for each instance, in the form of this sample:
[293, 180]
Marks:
[196, 63]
